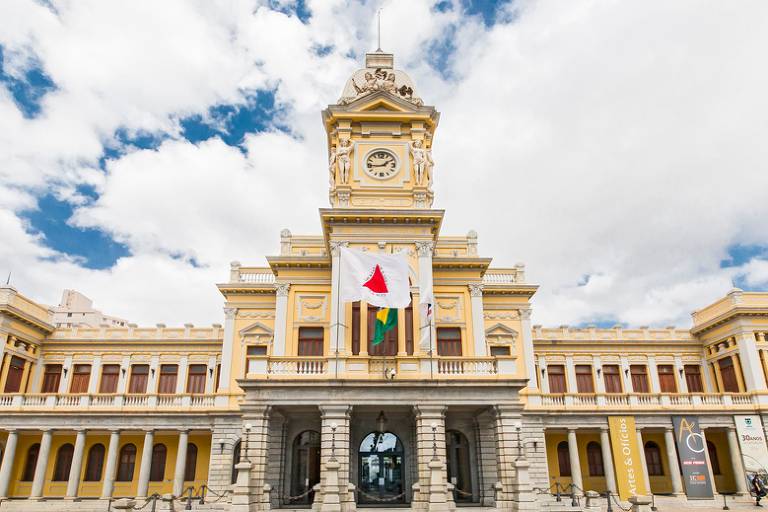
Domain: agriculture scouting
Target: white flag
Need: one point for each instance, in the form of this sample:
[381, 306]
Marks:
[378, 279]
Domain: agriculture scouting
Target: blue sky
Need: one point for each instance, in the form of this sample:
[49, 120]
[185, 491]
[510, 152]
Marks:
[176, 152]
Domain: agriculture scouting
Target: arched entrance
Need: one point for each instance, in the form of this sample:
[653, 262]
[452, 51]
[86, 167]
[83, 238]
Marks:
[305, 467]
[457, 450]
[381, 469]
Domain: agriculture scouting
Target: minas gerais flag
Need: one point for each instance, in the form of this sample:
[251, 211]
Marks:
[378, 279]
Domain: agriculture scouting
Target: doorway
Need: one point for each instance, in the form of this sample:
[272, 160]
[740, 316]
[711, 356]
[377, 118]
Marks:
[457, 450]
[381, 470]
[305, 468]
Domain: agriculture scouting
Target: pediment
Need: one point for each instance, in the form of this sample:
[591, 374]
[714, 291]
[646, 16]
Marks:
[501, 330]
[381, 101]
[256, 329]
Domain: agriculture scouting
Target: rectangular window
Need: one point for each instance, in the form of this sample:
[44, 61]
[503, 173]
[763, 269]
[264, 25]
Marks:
[356, 328]
[51, 378]
[15, 373]
[639, 378]
[388, 347]
[196, 379]
[109, 377]
[81, 376]
[693, 378]
[449, 341]
[667, 381]
[556, 374]
[612, 378]
[728, 375]
[218, 377]
[257, 350]
[584, 381]
[499, 351]
[139, 378]
[166, 385]
[310, 341]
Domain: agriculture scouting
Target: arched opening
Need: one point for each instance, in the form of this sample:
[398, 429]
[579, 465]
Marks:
[713, 460]
[63, 463]
[95, 463]
[653, 459]
[29, 465]
[190, 466]
[563, 459]
[305, 467]
[459, 466]
[595, 459]
[381, 466]
[127, 463]
[235, 461]
[157, 469]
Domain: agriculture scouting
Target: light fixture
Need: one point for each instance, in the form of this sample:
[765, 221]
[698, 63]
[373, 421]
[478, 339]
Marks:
[598, 371]
[123, 371]
[221, 447]
[382, 421]
[210, 372]
[626, 371]
[65, 370]
[152, 371]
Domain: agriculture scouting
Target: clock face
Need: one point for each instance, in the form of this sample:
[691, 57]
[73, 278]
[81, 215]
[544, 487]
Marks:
[381, 164]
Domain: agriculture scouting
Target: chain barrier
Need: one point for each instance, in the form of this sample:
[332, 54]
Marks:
[617, 502]
[205, 489]
[462, 493]
[379, 499]
[289, 499]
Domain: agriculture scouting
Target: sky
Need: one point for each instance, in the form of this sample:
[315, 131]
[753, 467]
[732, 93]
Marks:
[616, 148]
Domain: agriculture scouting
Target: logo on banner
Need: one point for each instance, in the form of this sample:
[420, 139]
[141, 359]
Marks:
[693, 440]
[376, 281]
[691, 449]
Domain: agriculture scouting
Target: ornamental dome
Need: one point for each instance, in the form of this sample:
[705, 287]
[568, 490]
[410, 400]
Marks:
[379, 75]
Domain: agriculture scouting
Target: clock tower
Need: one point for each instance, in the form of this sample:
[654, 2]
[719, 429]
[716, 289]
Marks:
[380, 140]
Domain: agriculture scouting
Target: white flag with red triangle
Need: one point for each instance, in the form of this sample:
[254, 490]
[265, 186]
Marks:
[379, 279]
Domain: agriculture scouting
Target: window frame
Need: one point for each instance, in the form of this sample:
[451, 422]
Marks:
[558, 376]
[310, 341]
[585, 380]
[450, 342]
[635, 377]
[103, 383]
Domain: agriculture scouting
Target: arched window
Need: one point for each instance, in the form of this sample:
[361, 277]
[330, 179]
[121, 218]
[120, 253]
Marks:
[63, 463]
[653, 459]
[127, 463]
[305, 470]
[95, 463]
[563, 458]
[31, 463]
[381, 462]
[235, 461]
[157, 470]
[191, 463]
[713, 460]
[595, 459]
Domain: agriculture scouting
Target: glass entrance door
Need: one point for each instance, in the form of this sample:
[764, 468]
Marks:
[381, 469]
[305, 471]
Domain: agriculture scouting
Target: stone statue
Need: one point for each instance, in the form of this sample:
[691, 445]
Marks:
[422, 162]
[340, 158]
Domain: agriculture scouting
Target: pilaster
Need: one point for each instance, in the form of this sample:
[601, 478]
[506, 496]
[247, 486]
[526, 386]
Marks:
[478, 322]
[334, 449]
[281, 316]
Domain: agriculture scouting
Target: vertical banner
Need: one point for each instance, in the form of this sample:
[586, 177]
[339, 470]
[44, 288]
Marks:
[754, 451]
[691, 450]
[630, 477]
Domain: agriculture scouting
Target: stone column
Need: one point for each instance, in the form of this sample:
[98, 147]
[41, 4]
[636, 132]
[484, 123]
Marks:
[7, 466]
[528, 353]
[573, 454]
[478, 322]
[254, 450]
[226, 348]
[93, 381]
[736, 460]
[751, 366]
[680, 375]
[146, 464]
[181, 375]
[605, 446]
[508, 429]
[338, 443]
[110, 469]
[642, 461]
[424, 250]
[426, 439]
[181, 463]
[42, 464]
[77, 465]
[281, 318]
[709, 462]
[338, 331]
[674, 467]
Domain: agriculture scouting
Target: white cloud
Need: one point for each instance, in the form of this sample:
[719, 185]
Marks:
[607, 139]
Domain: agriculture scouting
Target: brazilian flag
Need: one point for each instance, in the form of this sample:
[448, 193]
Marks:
[386, 320]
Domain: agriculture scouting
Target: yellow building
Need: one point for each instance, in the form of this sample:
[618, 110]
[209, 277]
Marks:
[289, 403]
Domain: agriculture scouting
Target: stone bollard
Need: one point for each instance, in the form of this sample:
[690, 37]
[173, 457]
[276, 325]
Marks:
[438, 489]
[593, 500]
[640, 503]
[241, 494]
[330, 490]
[266, 497]
[124, 504]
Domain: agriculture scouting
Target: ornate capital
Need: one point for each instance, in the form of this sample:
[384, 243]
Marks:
[525, 314]
[336, 245]
[230, 313]
[425, 248]
[282, 289]
[475, 290]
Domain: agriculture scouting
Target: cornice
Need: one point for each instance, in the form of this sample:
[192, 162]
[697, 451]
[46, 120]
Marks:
[737, 311]
[27, 319]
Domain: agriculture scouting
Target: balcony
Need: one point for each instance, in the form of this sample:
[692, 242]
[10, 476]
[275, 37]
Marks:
[380, 368]
[31, 402]
[642, 401]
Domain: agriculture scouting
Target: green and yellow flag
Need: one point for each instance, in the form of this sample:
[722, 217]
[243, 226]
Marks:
[386, 320]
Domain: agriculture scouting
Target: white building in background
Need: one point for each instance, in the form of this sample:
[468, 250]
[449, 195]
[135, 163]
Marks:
[76, 310]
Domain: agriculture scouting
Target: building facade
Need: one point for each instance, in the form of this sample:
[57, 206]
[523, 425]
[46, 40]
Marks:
[289, 404]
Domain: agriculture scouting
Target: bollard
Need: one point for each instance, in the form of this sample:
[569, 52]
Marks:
[653, 503]
[189, 500]
[574, 503]
[725, 503]
[557, 492]
[154, 502]
[608, 498]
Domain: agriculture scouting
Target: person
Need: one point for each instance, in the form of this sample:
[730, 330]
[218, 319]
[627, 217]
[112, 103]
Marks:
[758, 489]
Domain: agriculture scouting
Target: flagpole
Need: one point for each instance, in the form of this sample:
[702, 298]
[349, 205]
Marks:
[338, 315]
[431, 353]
